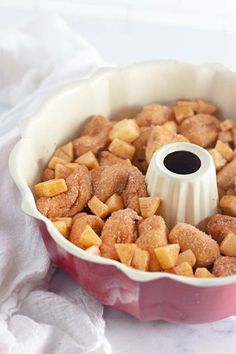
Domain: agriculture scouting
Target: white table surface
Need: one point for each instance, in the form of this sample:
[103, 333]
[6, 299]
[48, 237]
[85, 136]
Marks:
[123, 42]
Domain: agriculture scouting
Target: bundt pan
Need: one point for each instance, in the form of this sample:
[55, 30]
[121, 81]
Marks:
[118, 92]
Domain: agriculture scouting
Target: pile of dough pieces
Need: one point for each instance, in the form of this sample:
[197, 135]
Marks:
[93, 190]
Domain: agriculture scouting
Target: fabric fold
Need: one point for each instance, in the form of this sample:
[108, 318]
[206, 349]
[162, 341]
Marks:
[35, 59]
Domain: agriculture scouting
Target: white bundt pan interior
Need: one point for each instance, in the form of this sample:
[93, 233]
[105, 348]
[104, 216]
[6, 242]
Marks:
[113, 92]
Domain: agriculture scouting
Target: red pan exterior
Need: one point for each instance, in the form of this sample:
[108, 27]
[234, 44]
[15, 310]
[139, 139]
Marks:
[161, 299]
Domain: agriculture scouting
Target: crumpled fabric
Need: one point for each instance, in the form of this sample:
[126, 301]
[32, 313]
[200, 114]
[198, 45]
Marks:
[34, 318]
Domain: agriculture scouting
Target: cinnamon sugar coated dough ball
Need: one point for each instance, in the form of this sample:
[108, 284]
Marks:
[220, 225]
[152, 234]
[78, 215]
[95, 125]
[154, 114]
[121, 227]
[202, 245]
[140, 143]
[79, 192]
[224, 266]
[80, 223]
[48, 174]
[134, 189]
[108, 180]
[226, 176]
[106, 158]
[159, 137]
[94, 137]
[88, 143]
[201, 129]
[179, 138]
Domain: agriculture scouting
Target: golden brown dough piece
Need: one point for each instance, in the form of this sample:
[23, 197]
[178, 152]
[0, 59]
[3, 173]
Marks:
[220, 225]
[48, 174]
[159, 137]
[154, 114]
[80, 224]
[94, 137]
[71, 202]
[140, 143]
[201, 129]
[226, 176]
[135, 188]
[95, 125]
[106, 158]
[119, 228]
[224, 266]
[152, 234]
[121, 179]
[88, 143]
[141, 165]
[78, 215]
[108, 180]
[179, 138]
[202, 245]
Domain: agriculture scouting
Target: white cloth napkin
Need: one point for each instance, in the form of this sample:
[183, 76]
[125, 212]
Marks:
[34, 319]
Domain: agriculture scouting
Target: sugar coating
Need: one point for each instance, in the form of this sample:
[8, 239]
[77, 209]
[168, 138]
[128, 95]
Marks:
[152, 234]
[203, 246]
[154, 114]
[120, 227]
[126, 179]
[224, 266]
[135, 188]
[71, 202]
[80, 224]
[220, 225]
[201, 129]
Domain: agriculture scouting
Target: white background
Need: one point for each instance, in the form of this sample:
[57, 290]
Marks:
[128, 31]
[125, 31]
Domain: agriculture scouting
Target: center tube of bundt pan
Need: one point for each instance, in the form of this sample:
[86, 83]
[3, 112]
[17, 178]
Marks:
[183, 175]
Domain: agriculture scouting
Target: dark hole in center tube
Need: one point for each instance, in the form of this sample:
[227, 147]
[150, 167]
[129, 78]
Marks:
[182, 162]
